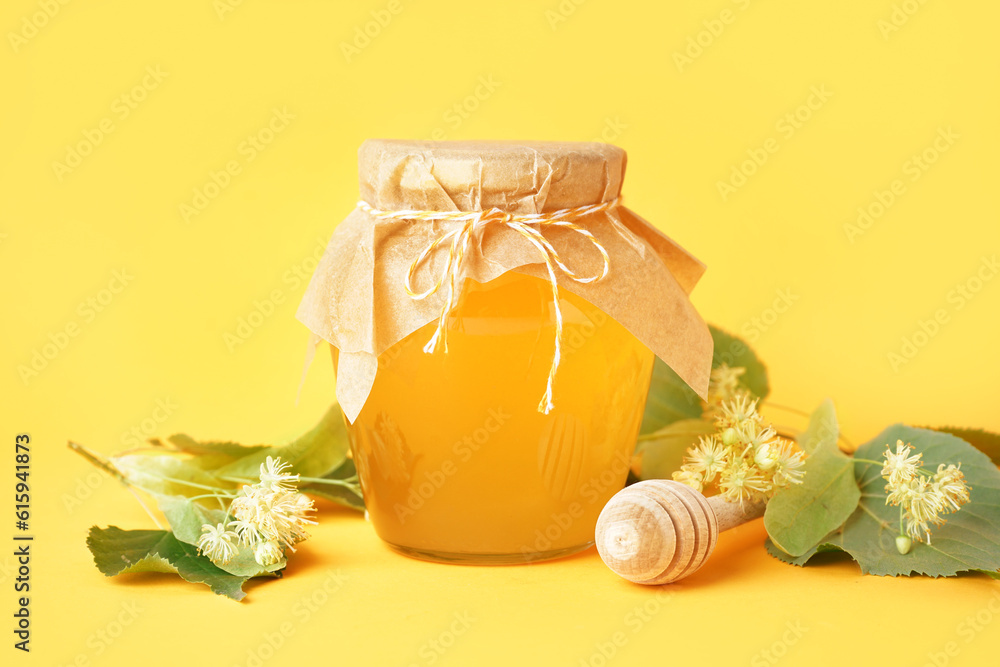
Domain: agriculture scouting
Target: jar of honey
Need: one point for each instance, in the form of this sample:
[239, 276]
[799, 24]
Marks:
[493, 312]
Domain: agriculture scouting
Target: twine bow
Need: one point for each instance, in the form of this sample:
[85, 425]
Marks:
[528, 225]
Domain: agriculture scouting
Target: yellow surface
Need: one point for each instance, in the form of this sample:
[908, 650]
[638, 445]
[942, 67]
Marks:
[167, 351]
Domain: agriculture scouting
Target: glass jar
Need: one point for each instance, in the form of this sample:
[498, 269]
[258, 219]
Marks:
[493, 313]
[455, 460]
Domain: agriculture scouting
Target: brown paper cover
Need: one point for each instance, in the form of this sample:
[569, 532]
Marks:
[357, 301]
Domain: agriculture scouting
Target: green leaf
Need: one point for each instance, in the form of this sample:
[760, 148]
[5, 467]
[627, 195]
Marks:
[670, 399]
[799, 517]
[315, 454]
[778, 553]
[119, 551]
[186, 518]
[659, 454]
[823, 429]
[348, 494]
[985, 441]
[734, 351]
[970, 540]
[232, 450]
[166, 473]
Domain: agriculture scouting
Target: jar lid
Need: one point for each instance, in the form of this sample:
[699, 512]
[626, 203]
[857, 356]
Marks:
[516, 176]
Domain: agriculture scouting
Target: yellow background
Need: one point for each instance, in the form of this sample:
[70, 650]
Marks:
[571, 70]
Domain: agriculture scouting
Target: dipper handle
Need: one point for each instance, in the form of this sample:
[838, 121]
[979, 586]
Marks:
[659, 531]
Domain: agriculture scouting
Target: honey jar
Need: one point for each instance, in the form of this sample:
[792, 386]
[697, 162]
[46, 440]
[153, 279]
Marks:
[493, 312]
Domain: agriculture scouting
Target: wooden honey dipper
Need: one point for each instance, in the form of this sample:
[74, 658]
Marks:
[659, 531]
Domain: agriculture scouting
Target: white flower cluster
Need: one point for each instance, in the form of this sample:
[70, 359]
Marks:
[745, 459]
[922, 497]
[269, 516]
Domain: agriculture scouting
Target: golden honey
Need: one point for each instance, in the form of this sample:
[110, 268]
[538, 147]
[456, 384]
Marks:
[455, 460]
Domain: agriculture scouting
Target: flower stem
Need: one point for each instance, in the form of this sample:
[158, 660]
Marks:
[152, 516]
[324, 480]
[212, 495]
[110, 469]
[882, 463]
[787, 408]
[99, 461]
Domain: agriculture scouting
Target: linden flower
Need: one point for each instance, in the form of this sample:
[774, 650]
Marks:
[788, 466]
[924, 503]
[738, 412]
[755, 438]
[276, 515]
[689, 478]
[922, 498]
[741, 482]
[724, 385]
[949, 482]
[708, 457]
[726, 379]
[274, 477]
[268, 553]
[270, 516]
[900, 467]
[766, 455]
[218, 543]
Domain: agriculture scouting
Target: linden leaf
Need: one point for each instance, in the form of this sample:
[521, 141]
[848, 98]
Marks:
[118, 551]
[166, 473]
[800, 516]
[970, 540]
[659, 454]
[734, 351]
[670, 399]
[781, 555]
[985, 441]
[347, 492]
[232, 450]
[823, 429]
[314, 454]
